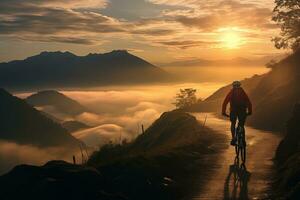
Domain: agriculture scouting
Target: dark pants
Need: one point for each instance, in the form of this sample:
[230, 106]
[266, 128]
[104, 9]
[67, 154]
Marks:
[239, 116]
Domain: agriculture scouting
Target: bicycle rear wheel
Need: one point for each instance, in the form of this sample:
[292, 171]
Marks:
[243, 154]
[237, 150]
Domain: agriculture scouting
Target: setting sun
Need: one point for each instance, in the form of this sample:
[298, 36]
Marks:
[231, 39]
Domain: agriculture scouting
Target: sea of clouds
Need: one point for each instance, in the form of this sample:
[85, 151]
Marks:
[114, 113]
[119, 113]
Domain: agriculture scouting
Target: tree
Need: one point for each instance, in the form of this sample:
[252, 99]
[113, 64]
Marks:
[185, 97]
[287, 14]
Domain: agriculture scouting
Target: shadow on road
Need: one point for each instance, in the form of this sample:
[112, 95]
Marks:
[236, 182]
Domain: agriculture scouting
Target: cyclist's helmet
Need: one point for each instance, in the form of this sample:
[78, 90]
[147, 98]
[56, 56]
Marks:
[236, 84]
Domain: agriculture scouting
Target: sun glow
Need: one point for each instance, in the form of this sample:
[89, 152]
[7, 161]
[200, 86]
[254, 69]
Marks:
[230, 38]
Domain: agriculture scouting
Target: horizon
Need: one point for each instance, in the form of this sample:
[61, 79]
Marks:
[258, 61]
[180, 30]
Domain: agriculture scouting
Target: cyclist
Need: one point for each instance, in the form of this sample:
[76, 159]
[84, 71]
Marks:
[240, 107]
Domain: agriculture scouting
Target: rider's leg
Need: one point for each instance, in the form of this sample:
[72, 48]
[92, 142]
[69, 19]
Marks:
[233, 119]
[241, 122]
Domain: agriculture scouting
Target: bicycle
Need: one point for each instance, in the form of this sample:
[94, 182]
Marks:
[240, 146]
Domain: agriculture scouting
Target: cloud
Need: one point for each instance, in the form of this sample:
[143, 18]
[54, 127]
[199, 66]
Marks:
[204, 19]
[122, 110]
[47, 20]
[227, 14]
[125, 109]
[70, 21]
[206, 4]
[55, 21]
[109, 128]
[185, 3]
[63, 39]
[115, 102]
[188, 43]
[132, 10]
[102, 134]
[57, 3]
[145, 105]
[153, 32]
[12, 154]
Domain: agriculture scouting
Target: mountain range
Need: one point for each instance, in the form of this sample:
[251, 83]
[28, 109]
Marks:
[239, 61]
[64, 69]
[23, 124]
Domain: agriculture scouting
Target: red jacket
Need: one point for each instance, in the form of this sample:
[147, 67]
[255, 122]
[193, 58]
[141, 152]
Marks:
[238, 101]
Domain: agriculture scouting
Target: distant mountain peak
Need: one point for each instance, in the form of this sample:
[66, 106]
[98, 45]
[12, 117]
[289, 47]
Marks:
[46, 55]
[56, 53]
[113, 52]
[120, 51]
[64, 69]
[60, 101]
[49, 92]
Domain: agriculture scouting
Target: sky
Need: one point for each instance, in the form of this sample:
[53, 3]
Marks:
[159, 31]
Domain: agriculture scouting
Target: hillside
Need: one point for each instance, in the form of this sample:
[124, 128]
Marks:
[171, 130]
[287, 184]
[55, 180]
[59, 101]
[164, 163]
[273, 94]
[64, 69]
[23, 124]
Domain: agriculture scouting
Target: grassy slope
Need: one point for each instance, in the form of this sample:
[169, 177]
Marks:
[287, 185]
[163, 163]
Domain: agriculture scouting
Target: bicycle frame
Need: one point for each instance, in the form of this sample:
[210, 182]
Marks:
[240, 147]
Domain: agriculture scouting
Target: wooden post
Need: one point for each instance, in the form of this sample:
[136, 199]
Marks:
[82, 156]
[120, 139]
[143, 131]
[87, 153]
[205, 120]
[74, 160]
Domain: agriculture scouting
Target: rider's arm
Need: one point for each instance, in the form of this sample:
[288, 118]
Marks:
[226, 101]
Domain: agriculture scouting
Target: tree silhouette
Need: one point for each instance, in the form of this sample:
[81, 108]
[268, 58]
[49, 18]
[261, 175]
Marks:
[287, 14]
[185, 97]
